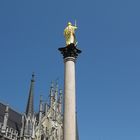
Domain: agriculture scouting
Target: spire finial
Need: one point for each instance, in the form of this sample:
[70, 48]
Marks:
[56, 86]
[33, 77]
[52, 84]
[7, 108]
[60, 91]
[41, 98]
[60, 96]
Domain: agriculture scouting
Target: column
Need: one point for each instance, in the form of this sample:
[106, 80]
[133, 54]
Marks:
[70, 54]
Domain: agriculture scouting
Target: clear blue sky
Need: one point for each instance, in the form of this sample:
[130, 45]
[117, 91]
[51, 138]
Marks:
[107, 72]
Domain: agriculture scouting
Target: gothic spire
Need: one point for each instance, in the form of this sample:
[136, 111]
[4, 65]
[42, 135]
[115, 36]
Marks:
[52, 94]
[30, 103]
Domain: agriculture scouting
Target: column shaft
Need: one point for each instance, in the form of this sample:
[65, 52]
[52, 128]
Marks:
[69, 99]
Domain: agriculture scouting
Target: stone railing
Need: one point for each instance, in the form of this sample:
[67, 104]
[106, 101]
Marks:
[8, 133]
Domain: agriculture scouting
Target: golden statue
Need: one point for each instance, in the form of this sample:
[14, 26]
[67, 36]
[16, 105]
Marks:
[69, 34]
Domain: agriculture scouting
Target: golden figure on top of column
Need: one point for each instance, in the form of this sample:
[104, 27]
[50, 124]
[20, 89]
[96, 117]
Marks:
[69, 34]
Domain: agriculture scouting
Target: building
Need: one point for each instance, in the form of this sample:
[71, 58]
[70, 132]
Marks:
[46, 124]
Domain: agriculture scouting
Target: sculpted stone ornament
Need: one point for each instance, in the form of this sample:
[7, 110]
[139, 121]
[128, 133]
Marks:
[69, 34]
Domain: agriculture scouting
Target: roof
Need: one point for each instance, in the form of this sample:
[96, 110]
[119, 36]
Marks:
[14, 120]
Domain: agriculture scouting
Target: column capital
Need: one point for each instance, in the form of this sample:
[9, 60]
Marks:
[70, 51]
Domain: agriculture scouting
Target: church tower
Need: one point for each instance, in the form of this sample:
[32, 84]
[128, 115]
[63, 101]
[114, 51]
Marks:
[29, 119]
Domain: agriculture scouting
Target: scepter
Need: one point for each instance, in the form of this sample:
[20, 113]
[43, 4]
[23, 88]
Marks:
[75, 23]
[76, 42]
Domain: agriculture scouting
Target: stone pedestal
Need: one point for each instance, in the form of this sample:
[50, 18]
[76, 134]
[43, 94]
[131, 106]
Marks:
[70, 54]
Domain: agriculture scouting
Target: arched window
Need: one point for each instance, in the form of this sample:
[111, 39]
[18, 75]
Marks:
[29, 127]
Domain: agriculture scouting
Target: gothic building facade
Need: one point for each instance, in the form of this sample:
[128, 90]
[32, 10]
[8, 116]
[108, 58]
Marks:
[46, 124]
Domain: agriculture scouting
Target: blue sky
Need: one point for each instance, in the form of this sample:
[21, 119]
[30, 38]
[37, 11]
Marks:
[107, 71]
